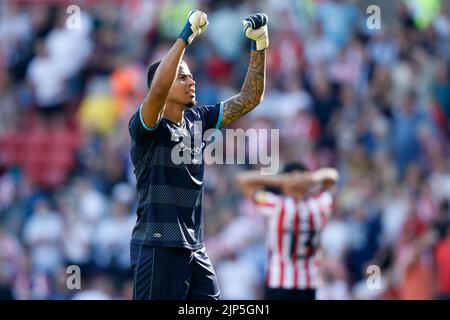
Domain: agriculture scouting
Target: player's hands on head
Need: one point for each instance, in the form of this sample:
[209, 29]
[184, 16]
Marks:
[255, 28]
[196, 23]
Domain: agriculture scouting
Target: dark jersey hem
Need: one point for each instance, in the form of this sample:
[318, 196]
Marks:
[168, 244]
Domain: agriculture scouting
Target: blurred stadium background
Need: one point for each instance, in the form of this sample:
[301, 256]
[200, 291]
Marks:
[373, 103]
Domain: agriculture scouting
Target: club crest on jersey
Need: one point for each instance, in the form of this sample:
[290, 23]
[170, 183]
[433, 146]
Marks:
[188, 150]
[209, 146]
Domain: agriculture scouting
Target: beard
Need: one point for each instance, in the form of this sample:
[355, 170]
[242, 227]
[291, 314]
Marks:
[191, 103]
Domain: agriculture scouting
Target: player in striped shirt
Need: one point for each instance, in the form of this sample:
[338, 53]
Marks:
[298, 204]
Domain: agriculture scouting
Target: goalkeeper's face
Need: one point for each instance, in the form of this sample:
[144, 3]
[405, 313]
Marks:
[183, 89]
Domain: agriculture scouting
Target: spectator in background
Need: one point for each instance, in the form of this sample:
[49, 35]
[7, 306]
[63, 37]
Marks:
[414, 262]
[441, 221]
[233, 266]
[318, 48]
[335, 286]
[91, 204]
[405, 144]
[97, 287]
[11, 266]
[344, 16]
[111, 240]
[325, 101]
[51, 94]
[365, 230]
[229, 43]
[442, 261]
[69, 48]
[43, 235]
[441, 88]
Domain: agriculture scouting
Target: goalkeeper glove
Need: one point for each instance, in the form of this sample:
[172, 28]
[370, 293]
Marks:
[196, 24]
[255, 28]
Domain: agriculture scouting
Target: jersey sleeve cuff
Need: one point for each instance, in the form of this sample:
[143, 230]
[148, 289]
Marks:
[219, 120]
[143, 123]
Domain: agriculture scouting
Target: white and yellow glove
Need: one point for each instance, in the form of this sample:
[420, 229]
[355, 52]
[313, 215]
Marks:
[255, 28]
[196, 24]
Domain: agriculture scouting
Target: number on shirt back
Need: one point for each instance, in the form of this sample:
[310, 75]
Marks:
[306, 248]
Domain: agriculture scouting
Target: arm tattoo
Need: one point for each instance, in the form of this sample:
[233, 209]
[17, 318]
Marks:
[252, 90]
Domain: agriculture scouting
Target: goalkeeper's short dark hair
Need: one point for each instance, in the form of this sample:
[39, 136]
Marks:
[151, 72]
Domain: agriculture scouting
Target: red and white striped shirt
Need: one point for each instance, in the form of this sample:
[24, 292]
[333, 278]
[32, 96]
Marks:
[292, 239]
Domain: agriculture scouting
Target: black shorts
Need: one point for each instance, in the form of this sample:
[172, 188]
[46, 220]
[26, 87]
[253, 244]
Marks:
[289, 294]
[163, 273]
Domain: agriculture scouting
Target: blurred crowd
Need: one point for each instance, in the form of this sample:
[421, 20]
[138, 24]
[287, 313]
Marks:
[375, 104]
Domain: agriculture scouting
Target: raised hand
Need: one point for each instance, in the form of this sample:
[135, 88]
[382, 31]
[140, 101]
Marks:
[255, 28]
[196, 23]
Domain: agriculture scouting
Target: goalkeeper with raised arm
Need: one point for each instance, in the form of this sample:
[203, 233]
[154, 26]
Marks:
[168, 257]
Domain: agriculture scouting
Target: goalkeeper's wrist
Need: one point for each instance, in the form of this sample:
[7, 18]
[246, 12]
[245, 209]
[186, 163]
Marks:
[259, 45]
[186, 33]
